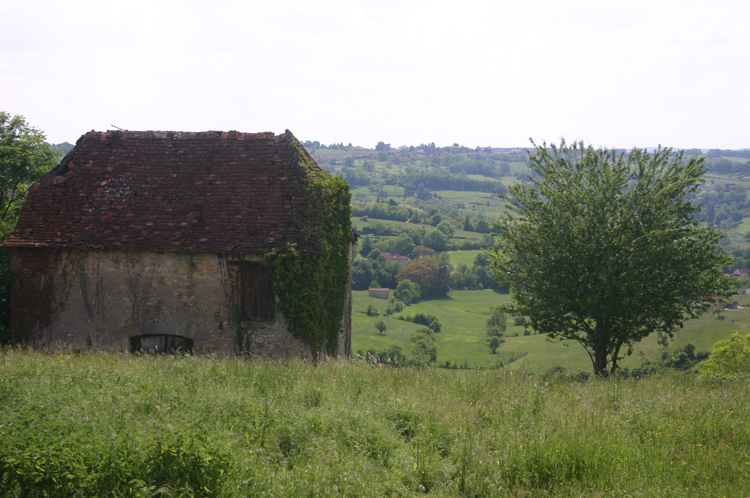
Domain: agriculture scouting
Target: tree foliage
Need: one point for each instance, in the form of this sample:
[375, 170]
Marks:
[494, 344]
[407, 291]
[25, 157]
[431, 276]
[729, 357]
[497, 323]
[603, 248]
[424, 349]
[381, 326]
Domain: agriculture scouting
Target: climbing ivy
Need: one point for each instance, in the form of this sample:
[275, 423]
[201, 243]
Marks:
[312, 287]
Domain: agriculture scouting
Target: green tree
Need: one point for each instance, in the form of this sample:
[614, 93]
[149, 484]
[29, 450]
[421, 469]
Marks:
[407, 291]
[494, 344]
[482, 226]
[603, 248]
[366, 246]
[404, 245]
[446, 227]
[437, 240]
[25, 157]
[729, 357]
[497, 323]
[380, 325]
[431, 276]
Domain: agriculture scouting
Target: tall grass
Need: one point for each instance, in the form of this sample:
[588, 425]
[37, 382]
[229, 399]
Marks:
[100, 424]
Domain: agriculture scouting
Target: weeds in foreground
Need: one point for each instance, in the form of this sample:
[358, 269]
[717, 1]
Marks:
[99, 424]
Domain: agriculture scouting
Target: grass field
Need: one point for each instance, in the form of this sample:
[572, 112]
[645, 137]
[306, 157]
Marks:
[465, 257]
[463, 339]
[474, 201]
[99, 424]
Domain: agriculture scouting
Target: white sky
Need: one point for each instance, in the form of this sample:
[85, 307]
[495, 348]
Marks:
[626, 73]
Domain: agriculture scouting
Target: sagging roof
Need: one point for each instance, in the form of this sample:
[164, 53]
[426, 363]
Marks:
[222, 192]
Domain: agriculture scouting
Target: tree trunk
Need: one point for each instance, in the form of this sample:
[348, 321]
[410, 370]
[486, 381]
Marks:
[600, 351]
[616, 353]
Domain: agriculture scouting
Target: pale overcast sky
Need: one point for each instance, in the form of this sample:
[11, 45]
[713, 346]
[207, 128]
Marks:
[626, 73]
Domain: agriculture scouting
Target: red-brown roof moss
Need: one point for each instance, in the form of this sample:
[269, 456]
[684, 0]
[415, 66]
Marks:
[224, 192]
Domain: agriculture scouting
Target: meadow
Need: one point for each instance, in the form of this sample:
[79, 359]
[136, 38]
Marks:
[98, 424]
[463, 340]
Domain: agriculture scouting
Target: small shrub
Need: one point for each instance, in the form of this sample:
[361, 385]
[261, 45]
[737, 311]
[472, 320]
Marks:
[519, 321]
[430, 321]
[424, 345]
[554, 371]
[527, 332]
[372, 311]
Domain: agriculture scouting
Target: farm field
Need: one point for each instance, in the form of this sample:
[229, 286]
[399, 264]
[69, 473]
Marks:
[474, 201]
[98, 424]
[463, 339]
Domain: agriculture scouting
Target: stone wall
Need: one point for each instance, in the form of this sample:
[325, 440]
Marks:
[67, 298]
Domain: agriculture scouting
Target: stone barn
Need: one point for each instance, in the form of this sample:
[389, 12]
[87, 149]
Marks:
[161, 240]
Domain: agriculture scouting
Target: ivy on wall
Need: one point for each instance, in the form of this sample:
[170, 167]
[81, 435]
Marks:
[312, 287]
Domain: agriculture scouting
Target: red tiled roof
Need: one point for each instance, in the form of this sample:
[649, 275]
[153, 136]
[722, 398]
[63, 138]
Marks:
[392, 255]
[225, 192]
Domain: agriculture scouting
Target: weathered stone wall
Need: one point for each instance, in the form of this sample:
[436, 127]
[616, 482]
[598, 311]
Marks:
[67, 298]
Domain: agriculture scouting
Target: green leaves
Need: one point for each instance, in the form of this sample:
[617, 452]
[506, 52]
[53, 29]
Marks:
[25, 157]
[602, 247]
[312, 287]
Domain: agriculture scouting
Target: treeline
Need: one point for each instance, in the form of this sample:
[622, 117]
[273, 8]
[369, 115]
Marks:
[730, 167]
[410, 182]
[718, 153]
[397, 212]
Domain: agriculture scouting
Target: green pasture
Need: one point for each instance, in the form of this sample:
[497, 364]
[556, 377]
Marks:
[465, 257]
[104, 424]
[474, 201]
[519, 167]
[463, 339]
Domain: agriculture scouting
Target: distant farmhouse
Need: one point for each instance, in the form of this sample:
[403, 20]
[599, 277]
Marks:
[392, 257]
[156, 241]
